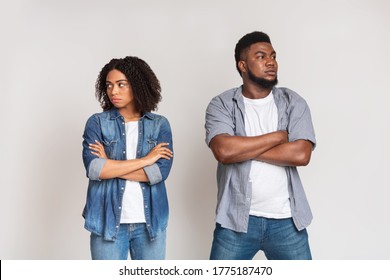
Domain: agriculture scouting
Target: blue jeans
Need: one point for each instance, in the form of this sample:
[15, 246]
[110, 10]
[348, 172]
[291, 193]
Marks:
[133, 238]
[277, 238]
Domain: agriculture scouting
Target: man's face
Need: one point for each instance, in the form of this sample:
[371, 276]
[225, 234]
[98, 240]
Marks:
[259, 63]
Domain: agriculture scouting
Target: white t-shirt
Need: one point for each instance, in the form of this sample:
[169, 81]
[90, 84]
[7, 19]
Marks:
[133, 201]
[270, 198]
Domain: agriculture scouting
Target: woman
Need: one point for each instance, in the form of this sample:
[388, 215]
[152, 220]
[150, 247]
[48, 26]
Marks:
[127, 154]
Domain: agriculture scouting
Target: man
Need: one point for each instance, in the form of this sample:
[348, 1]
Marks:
[260, 134]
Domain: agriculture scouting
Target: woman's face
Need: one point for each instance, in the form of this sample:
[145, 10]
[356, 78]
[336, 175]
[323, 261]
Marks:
[119, 90]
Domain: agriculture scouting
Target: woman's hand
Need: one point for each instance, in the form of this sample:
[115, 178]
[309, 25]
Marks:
[98, 150]
[159, 151]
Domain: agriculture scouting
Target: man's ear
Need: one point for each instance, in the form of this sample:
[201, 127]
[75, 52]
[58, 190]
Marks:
[242, 66]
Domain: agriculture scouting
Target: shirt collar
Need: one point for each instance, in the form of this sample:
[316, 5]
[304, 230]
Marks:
[114, 114]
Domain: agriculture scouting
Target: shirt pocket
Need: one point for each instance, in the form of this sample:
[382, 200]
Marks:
[151, 143]
[110, 147]
[110, 141]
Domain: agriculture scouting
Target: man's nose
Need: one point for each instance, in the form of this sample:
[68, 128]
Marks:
[270, 62]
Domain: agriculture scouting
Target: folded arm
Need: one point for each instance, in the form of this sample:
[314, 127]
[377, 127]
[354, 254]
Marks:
[232, 149]
[130, 169]
[296, 153]
[137, 176]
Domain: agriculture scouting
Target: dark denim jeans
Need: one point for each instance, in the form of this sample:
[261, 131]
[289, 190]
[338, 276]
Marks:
[277, 238]
[133, 238]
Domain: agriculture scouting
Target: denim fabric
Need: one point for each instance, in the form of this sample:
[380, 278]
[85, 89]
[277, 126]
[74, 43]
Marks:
[104, 197]
[133, 238]
[279, 239]
[225, 114]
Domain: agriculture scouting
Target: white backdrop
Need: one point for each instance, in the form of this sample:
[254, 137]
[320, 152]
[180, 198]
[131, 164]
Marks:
[334, 53]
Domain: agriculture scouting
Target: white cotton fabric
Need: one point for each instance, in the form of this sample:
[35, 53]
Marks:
[133, 202]
[270, 197]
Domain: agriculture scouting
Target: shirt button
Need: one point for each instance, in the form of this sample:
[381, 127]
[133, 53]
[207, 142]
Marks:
[120, 207]
[124, 152]
[123, 133]
[122, 188]
[123, 123]
[146, 206]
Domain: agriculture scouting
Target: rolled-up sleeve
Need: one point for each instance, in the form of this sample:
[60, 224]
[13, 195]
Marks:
[154, 174]
[218, 120]
[92, 163]
[160, 170]
[95, 168]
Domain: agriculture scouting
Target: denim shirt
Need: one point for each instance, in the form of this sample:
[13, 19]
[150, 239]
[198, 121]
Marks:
[225, 114]
[104, 197]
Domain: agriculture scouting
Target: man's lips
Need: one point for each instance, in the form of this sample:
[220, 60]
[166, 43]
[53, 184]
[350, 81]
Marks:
[271, 72]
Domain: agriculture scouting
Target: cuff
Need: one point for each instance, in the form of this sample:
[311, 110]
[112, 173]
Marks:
[154, 174]
[95, 168]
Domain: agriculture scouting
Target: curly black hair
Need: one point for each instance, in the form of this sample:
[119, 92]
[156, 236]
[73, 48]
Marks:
[245, 42]
[144, 83]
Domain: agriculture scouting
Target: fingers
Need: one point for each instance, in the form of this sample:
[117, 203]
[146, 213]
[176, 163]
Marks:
[97, 144]
[161, 145]
[97, 149]
[162, 149]
[167, 154]
[159, 151]
[165, 151]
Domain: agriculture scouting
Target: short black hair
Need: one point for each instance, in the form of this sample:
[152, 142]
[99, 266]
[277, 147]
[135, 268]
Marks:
[245, 42]
[144, 83]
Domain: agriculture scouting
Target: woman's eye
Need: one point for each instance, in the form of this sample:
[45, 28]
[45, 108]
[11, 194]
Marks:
[108, 86]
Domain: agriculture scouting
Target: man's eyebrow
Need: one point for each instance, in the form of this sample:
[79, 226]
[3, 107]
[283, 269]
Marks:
[263, 52]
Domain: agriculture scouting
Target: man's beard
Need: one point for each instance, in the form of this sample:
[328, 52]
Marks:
[261, 81]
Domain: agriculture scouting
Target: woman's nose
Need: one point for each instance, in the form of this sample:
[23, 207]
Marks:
[115, 89]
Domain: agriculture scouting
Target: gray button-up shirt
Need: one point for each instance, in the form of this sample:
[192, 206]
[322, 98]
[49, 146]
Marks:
[225, 115]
